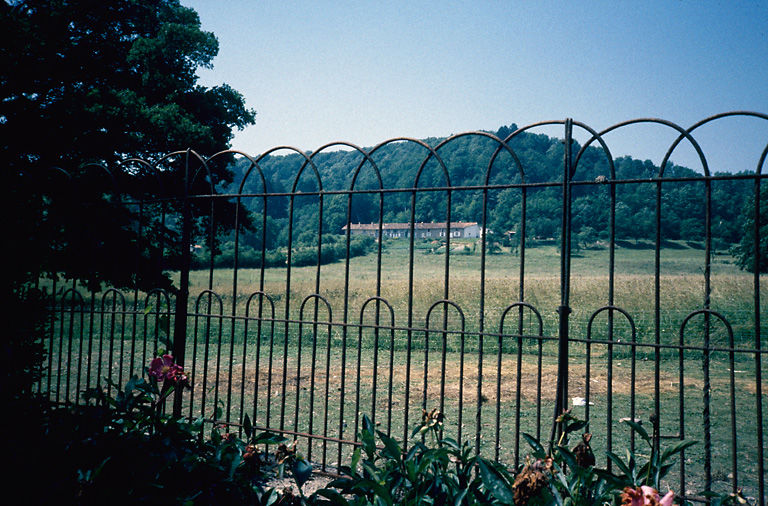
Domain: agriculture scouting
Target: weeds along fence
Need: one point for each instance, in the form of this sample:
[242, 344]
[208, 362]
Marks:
[463, 300]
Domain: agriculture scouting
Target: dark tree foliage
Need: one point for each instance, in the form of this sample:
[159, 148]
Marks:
[87, 83]
[745, 250]
[683, 204]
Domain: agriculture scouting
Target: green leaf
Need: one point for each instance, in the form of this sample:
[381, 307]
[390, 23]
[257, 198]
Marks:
[538, 450]
[268, 438]
[332, 495]
[451, 443]
[620, 464]
[460, 497]
[215, 436]
[391, 448]
[355, 459]
[568, 457]
[576, 426]
[639, 429]
[247, 425]
[499, 487]
[302, 471]
[677, 448]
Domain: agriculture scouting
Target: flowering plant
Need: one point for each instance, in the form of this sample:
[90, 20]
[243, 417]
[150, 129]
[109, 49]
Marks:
[164, 368]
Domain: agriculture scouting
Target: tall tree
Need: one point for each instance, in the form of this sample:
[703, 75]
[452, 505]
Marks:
[94, 81]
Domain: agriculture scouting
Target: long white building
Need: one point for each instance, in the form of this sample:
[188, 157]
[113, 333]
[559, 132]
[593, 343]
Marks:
[459, 229]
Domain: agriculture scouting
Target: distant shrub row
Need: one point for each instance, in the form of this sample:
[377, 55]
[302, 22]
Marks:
[333, 249]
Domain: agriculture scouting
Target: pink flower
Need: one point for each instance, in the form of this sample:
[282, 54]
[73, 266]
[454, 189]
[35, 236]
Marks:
[160, 367]
[645, 496]
[164, 368]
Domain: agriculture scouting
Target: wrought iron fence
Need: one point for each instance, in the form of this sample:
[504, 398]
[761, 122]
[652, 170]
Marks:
[501, 330]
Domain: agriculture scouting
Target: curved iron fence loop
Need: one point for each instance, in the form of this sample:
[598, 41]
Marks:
[609, 375]
[707, 393]
[687, 133]
[521, 306]
[595, 137]
[376, 327]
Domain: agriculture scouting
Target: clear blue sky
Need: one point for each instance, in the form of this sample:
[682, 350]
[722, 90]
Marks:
[363, 72]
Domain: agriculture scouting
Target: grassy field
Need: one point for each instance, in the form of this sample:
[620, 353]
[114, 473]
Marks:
[323, 377]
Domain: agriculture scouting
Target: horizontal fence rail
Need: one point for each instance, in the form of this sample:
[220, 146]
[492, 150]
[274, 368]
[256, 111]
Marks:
[320, 287]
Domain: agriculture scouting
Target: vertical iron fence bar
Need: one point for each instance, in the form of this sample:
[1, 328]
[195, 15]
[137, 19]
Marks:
[233, 330]
[286, 328]
[111, 336]
[90, 342]
[657, 324]
[327, 388]
[314, 319]
[70, 336]
[481, 330]
[611, 289]
[121, 359]
[136, 287]
[220, 323]
[313, 369]
[378, 307]
[521, 298]
[410, 320]
[707, 343]
[193, 370]
[446, 291]
[732, 363]
[81, 329]
[299, 340]
[358, 379]
[259, 322]
[52, 333]
[206, 355]
[345, 321]
[61, 345]
[182, 296]
[758, 341]
[261, 307]
[681, 404]
[561, 395]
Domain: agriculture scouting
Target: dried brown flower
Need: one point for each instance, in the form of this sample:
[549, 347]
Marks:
[531, 480]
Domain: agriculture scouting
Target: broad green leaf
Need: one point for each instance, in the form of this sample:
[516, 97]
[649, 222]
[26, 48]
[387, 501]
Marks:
[452, 443]
[499, 487]
[391, 448]
[302, 471]
[538, 450]
[677, 448]
[576, 426]
[247, 425]
[620, 464]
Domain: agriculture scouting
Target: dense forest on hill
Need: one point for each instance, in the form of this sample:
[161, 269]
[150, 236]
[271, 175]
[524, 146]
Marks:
[406, 165]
